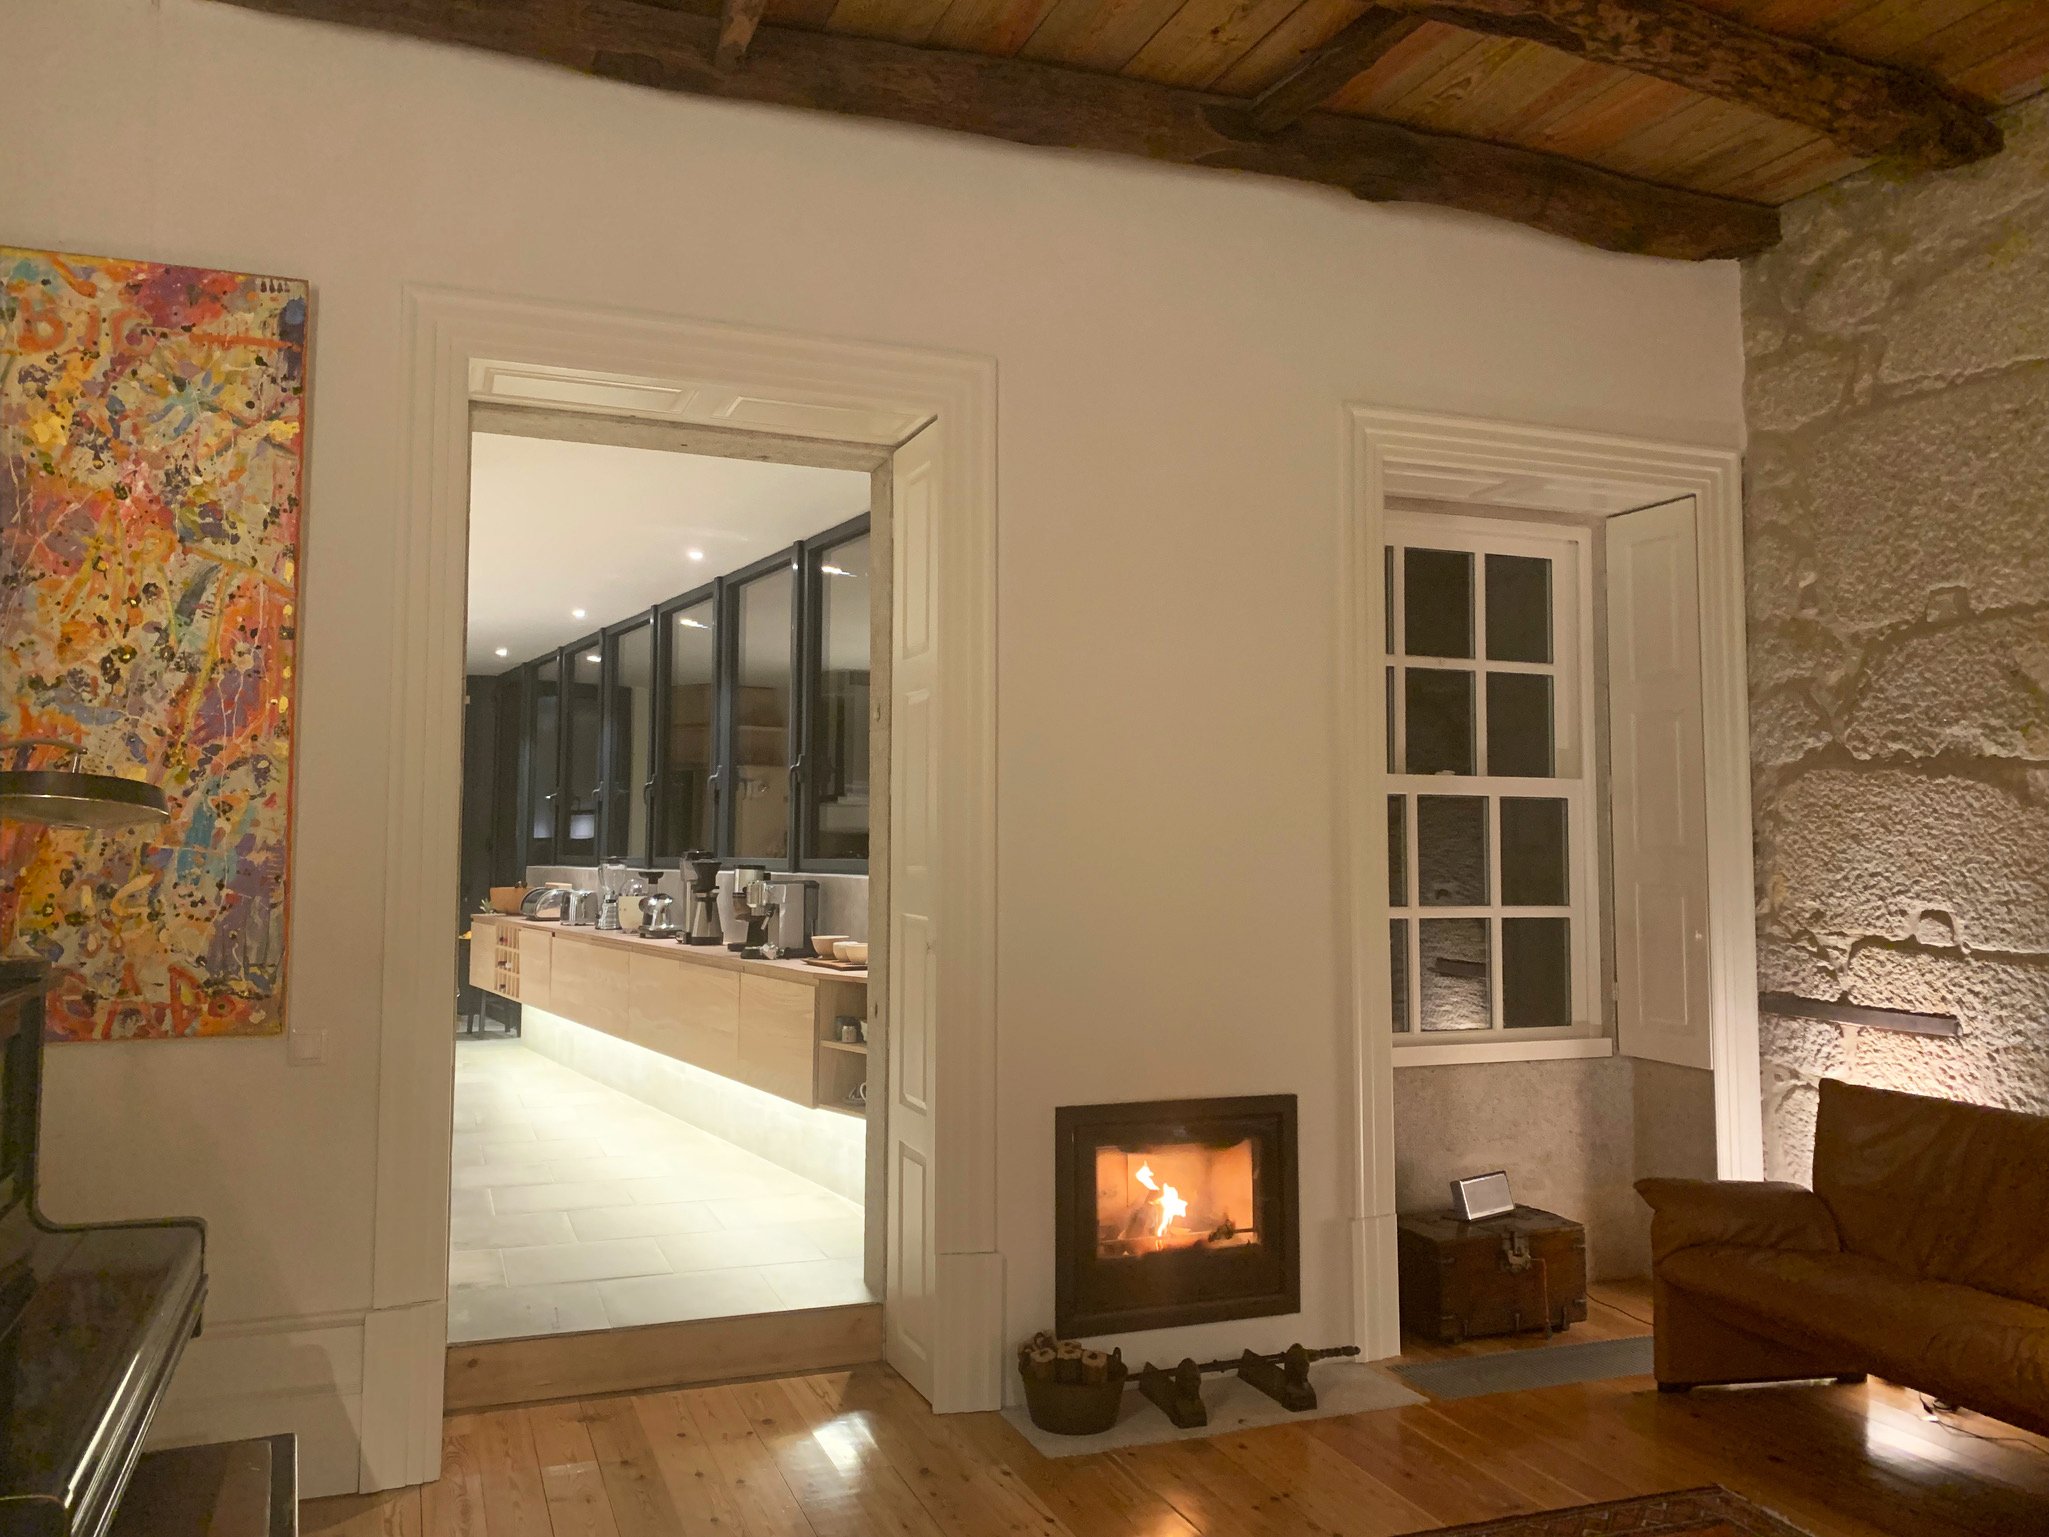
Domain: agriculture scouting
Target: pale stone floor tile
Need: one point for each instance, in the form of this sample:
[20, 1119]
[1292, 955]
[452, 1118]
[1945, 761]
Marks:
[676, 1298]
[730, 1249]
[826, 1283]
[516, 1312]
[602, 1212]
[606, 1261]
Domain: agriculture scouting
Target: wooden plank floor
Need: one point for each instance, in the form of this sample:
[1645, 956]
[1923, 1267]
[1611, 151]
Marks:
[854, 1453]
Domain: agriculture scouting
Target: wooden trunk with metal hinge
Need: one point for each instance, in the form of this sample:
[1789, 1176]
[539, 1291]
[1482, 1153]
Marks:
[1511, 1274]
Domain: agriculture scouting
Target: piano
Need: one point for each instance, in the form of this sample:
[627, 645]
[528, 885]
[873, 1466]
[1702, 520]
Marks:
[93, 1318]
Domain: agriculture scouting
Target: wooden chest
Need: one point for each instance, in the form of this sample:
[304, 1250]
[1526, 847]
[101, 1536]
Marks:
[1505, 1275]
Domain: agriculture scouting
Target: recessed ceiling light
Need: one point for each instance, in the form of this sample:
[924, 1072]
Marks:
[594, 657]
[835, 570]
[576, 613]
[693, 624]
[502, 651]
[695, 554]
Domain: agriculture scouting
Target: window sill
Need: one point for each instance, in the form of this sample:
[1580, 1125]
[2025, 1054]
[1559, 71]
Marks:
[1453, 1052]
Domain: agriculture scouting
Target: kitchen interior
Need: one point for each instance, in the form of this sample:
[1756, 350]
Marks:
[662, 1060]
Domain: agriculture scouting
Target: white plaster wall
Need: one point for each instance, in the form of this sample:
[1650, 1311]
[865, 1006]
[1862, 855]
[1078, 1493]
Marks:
[1174, 348]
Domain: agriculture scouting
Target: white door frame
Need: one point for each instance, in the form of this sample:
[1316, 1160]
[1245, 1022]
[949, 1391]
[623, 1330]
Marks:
[1462, 452]
[694, 371]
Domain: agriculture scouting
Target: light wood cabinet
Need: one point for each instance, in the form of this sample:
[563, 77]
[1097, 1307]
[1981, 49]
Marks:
[590, 984]
[776, 1035]
[483, 941]
[685, 1011]
[535, 967]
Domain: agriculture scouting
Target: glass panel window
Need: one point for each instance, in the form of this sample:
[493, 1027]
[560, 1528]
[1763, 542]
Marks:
[687, 795]
[1440, 712]
[1520, 741]
[835, 775]
[1536, 973]
[1398, 974]
[1453, 991]
[763, 698]
[583, 718]
[1533, 853]
[544, 764]
[1397, 851]
[1488, 690]
[1437, 603]
[1451, 850]
[629, 749]
[1518, 609]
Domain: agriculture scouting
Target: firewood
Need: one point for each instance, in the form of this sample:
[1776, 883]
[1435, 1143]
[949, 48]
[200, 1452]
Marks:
[1095, 1366]
[1067, 1361]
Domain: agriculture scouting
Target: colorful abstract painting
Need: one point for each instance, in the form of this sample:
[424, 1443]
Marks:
[152, 438]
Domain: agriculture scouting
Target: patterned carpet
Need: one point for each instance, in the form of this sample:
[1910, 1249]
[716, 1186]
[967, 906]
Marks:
[1710, 1512]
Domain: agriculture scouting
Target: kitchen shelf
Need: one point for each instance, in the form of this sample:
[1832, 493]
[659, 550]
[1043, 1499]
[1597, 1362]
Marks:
[859, 1115]
[859, 1048]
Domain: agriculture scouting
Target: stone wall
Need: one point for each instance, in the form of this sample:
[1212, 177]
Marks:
[1898, 534]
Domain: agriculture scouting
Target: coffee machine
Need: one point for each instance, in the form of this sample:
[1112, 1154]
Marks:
[754, 904]
[703, 925]
[791, 931]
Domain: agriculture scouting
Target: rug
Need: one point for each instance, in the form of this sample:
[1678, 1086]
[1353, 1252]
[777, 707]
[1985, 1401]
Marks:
[1342, 1387]
[1515, 1371]
[1709, 1512]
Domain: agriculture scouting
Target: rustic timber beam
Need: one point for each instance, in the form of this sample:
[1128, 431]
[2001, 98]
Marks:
[1873, 111]
[1030, 103]
[1363, 43]
[737, 21]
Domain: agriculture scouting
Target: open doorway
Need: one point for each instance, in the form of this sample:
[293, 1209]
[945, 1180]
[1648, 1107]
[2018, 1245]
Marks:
[675, 774]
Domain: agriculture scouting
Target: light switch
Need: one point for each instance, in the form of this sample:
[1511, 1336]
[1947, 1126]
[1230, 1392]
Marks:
[303, 1048]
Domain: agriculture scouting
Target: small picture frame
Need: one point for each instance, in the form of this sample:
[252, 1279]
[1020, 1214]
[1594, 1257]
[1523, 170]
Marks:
[1482, 1196]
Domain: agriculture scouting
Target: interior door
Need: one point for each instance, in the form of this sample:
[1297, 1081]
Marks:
[911, 992]
[1658, 786]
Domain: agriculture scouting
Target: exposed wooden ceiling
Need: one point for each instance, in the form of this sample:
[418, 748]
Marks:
[1672, 127]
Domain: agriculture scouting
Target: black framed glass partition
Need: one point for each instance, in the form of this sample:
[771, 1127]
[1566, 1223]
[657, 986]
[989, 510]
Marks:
[762, 708]
[734, 718]
[833, 784]
[687, 778]
[543, 759]
[629, 740]
[583, 724]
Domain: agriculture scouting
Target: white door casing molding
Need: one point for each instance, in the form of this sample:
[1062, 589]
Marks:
[456, 344]
[1393, 452]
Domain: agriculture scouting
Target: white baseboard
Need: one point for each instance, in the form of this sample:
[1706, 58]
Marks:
[266, 1376]
[405, 1351]
[968, 1361]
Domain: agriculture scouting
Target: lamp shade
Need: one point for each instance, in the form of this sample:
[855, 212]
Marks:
[71, 797]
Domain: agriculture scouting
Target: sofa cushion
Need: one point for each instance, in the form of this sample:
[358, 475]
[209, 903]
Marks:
[1955, 1341]
[1945, 1191]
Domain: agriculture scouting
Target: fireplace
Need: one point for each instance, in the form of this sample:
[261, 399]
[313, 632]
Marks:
[1174, 1212]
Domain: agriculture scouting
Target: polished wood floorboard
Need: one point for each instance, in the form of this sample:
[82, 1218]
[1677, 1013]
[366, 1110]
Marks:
[857, 1454]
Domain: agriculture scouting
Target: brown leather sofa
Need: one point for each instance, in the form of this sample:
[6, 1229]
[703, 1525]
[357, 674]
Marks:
[1921, 1255]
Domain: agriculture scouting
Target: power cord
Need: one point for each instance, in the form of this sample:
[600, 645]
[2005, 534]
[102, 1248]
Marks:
[1938, 1412]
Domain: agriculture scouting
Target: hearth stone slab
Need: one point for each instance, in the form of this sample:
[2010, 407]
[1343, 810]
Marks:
[1342, 1387]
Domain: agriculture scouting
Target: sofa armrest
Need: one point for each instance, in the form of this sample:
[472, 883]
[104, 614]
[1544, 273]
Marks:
[1687, 1213]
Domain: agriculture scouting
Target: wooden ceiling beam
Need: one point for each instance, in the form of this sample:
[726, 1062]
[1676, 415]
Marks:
[1364, 42]
[1030, 103]
[737, 21]
[1873, 111]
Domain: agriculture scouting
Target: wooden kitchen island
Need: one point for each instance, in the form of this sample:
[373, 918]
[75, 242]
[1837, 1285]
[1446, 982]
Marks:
[770, 1024]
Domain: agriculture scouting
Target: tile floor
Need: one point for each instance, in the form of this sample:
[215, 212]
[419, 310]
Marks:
[577, 1207]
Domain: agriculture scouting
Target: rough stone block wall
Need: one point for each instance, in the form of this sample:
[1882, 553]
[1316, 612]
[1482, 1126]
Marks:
[1898, 542]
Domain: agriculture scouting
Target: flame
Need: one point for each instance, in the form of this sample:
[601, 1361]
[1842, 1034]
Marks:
[1171, 1206]
[1145, 1177]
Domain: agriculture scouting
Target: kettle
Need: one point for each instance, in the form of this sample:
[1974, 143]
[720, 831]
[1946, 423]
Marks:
[657, 915]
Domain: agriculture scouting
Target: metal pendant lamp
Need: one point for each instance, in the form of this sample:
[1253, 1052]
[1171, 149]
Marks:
[71, 797]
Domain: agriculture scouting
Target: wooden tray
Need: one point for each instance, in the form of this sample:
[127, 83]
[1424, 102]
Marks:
[828, 965]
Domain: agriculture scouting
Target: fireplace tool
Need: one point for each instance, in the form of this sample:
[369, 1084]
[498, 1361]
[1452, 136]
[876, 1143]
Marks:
[1283, 1376]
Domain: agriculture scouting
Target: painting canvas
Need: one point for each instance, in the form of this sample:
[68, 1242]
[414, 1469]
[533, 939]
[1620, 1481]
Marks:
[152, 442]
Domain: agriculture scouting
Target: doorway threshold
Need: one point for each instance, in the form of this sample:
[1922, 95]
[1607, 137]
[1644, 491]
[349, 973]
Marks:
[491, 1374]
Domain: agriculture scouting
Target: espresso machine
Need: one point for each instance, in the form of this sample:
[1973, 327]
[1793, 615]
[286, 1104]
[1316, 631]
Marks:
[797, 918]
[754, 905]
[702, 925]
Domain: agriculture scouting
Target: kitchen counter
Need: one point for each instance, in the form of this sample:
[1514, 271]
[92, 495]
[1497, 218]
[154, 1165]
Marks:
[770, 1024]
[700, 955]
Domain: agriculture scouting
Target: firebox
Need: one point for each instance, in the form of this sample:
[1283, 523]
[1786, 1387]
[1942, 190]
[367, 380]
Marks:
[1180, 1211]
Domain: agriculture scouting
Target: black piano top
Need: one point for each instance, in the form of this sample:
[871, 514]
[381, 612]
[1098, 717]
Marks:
[92, 1318]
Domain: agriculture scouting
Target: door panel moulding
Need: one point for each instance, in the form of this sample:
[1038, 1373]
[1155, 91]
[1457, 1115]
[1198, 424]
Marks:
[462, 350]
[1390, 453]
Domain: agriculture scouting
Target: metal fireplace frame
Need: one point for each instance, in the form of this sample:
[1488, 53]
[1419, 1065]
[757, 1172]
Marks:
[1081, 1308]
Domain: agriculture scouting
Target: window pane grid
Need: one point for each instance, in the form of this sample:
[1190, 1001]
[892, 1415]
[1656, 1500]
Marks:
[1486, 927]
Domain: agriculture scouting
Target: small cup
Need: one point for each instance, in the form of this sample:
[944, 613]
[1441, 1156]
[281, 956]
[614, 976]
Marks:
[853, 951]
[827, 944]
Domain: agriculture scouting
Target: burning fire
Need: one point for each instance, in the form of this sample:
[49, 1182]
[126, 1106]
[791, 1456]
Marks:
[1171, 1204]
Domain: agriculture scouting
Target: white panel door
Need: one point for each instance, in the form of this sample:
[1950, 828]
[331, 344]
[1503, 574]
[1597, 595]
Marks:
[1658, 786]
[912, 999]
